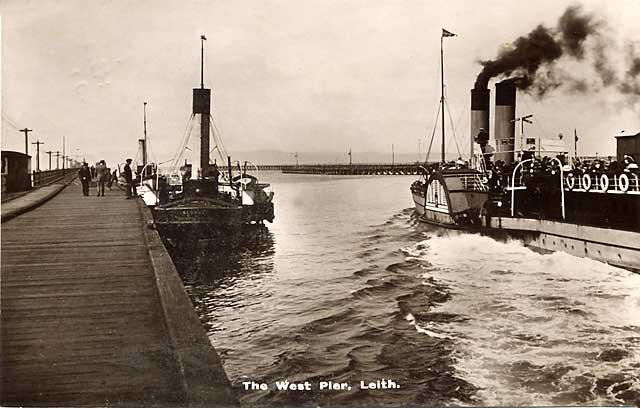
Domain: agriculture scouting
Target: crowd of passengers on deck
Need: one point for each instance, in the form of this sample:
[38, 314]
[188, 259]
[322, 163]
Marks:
[499, 173]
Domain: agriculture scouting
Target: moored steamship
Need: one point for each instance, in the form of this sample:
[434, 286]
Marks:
[205, 206]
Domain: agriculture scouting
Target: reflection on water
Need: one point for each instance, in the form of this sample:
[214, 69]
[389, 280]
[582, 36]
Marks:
[205, 269]
[204, 262]
[347, 286]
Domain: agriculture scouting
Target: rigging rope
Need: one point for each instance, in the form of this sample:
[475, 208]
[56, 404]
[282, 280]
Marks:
[537, 122]
[177, 158]
[221, 138]
[218, 140]
[435, 125]
[455, 138]
[462, 115]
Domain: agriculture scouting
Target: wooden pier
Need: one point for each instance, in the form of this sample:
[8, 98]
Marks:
[93, 311]
[359, 169]
[354, 169]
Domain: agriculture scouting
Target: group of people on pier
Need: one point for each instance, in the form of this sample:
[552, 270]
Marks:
[105, 177]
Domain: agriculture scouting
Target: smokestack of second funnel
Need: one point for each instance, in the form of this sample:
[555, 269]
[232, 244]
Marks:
[479, 114]
[504, 123]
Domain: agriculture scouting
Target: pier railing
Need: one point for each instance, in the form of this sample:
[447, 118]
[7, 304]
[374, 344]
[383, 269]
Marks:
[42, 178]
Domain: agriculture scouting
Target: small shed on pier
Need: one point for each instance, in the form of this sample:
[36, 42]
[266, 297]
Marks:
[16, 171]
[628, 144]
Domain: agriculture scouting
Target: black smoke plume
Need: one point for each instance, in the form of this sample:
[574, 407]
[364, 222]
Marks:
[630, 84]
[542, 47]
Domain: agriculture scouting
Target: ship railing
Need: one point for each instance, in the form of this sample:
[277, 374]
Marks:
[514, 188]
[474, 182]
[622, 183]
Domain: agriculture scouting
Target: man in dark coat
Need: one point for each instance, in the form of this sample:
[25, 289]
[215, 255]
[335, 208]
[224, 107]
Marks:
[128, 176]
[85, 178]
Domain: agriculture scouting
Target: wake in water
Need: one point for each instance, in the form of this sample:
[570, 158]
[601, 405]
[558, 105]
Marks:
[536, 329]
[454, 318]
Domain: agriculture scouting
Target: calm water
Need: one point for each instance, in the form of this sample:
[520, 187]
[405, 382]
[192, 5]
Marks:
[346, 286]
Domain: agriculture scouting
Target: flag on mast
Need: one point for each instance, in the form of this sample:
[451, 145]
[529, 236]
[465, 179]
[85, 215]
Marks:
[446, 33]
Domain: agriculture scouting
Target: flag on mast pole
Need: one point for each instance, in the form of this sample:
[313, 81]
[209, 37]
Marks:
[446, 33]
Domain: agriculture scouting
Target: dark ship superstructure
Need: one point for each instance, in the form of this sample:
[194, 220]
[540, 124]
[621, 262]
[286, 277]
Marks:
[202, 204]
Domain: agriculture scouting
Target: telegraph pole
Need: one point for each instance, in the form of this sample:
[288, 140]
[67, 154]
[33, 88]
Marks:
[37, 143]
[57, 159]
[63, 155]
[26, 139]
[49, 153]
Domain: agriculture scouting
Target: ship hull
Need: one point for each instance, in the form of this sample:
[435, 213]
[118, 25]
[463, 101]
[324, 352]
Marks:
[183, 226]
[616, 247]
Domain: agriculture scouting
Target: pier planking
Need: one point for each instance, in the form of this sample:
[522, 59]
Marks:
[82, 322]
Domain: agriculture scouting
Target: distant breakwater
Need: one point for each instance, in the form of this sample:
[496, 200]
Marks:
[341, 169]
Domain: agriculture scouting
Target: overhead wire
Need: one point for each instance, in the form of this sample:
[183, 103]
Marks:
[10, 121]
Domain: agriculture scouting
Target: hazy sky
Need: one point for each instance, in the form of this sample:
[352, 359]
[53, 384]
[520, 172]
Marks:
[290, 75]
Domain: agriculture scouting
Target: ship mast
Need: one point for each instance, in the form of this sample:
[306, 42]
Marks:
[202, 40]
[144, 146]
[445, 33]
[442, 89]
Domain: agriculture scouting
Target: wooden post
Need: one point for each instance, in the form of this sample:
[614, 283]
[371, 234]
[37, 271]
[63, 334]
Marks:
[49, 153]
[37, 143]
[26, 139]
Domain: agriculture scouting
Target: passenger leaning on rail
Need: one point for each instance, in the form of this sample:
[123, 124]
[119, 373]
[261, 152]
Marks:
[85, 178]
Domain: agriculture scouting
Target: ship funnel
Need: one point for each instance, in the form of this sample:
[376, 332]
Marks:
[201, 106]
[142, 148]
[505, 120]
[479, 117]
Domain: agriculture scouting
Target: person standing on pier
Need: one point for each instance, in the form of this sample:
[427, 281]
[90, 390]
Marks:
[85, 178]
[101, 176]
[128, 176]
